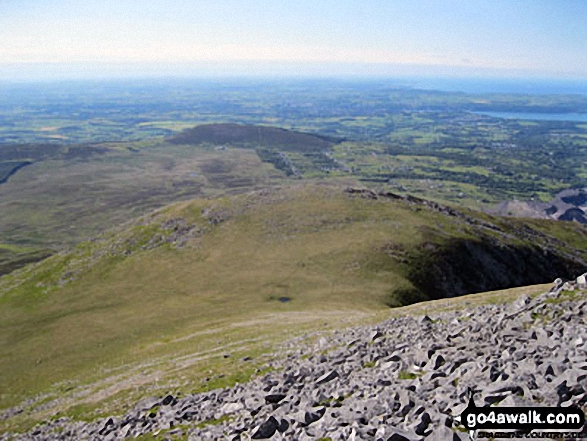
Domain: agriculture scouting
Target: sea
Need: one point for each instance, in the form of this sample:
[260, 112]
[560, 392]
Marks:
[529, 116]
[526, 86]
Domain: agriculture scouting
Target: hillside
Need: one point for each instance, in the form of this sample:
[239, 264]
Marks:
[137, 309]
[254, 136]
[56, 194]
[407, 378]
[427, 143]
[12, 257]
[72, 193]
[291, 151]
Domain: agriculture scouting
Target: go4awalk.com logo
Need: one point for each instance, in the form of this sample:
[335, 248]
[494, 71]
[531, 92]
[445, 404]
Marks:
[563, 421]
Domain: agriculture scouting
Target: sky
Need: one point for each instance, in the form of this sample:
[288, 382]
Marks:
[506, 38]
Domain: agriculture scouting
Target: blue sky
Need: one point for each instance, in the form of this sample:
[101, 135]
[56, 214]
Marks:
[316, 37]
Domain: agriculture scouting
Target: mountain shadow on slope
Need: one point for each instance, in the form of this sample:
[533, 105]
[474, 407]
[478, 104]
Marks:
[252, 136]
[464, 266]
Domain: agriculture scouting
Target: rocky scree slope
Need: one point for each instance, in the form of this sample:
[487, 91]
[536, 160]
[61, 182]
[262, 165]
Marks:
[403, 379]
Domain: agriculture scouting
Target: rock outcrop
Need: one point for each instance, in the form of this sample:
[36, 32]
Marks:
[568, 205]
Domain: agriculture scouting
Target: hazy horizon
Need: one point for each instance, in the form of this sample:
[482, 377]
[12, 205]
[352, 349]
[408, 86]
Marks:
[63, 39]
[31, 72]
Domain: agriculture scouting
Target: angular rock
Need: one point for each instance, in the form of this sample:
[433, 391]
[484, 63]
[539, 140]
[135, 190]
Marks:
[313, 416]
[274, 398]
[402, 435]
[283, 425]
[328, 376]
[267, 429]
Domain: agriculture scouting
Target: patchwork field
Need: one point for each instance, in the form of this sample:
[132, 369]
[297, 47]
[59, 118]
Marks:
[73, 167]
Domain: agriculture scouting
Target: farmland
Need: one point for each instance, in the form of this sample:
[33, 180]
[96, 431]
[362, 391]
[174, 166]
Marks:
[76, 159]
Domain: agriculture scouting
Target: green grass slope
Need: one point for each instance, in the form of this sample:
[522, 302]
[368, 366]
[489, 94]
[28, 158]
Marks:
[61, 200]
[146, 301]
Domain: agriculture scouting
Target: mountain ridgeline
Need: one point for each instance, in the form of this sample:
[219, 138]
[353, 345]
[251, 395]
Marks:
[140, 260]
[304, 250]
[412, 249]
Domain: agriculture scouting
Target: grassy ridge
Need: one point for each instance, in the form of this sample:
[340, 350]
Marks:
[194, 266]
[53, 330]
[70, 192]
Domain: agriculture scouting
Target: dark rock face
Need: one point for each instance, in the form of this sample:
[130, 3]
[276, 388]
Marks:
[574, 214]
[312, 417]
[569, 205]
[329, 376]
[267, 429]
[551, 210]
[573, 199]
[494, 254]
[274, 398]
[404, 379]
[468, 266]
[579, 198]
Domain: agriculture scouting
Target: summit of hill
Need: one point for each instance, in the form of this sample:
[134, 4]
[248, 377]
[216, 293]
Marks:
[255, 136]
